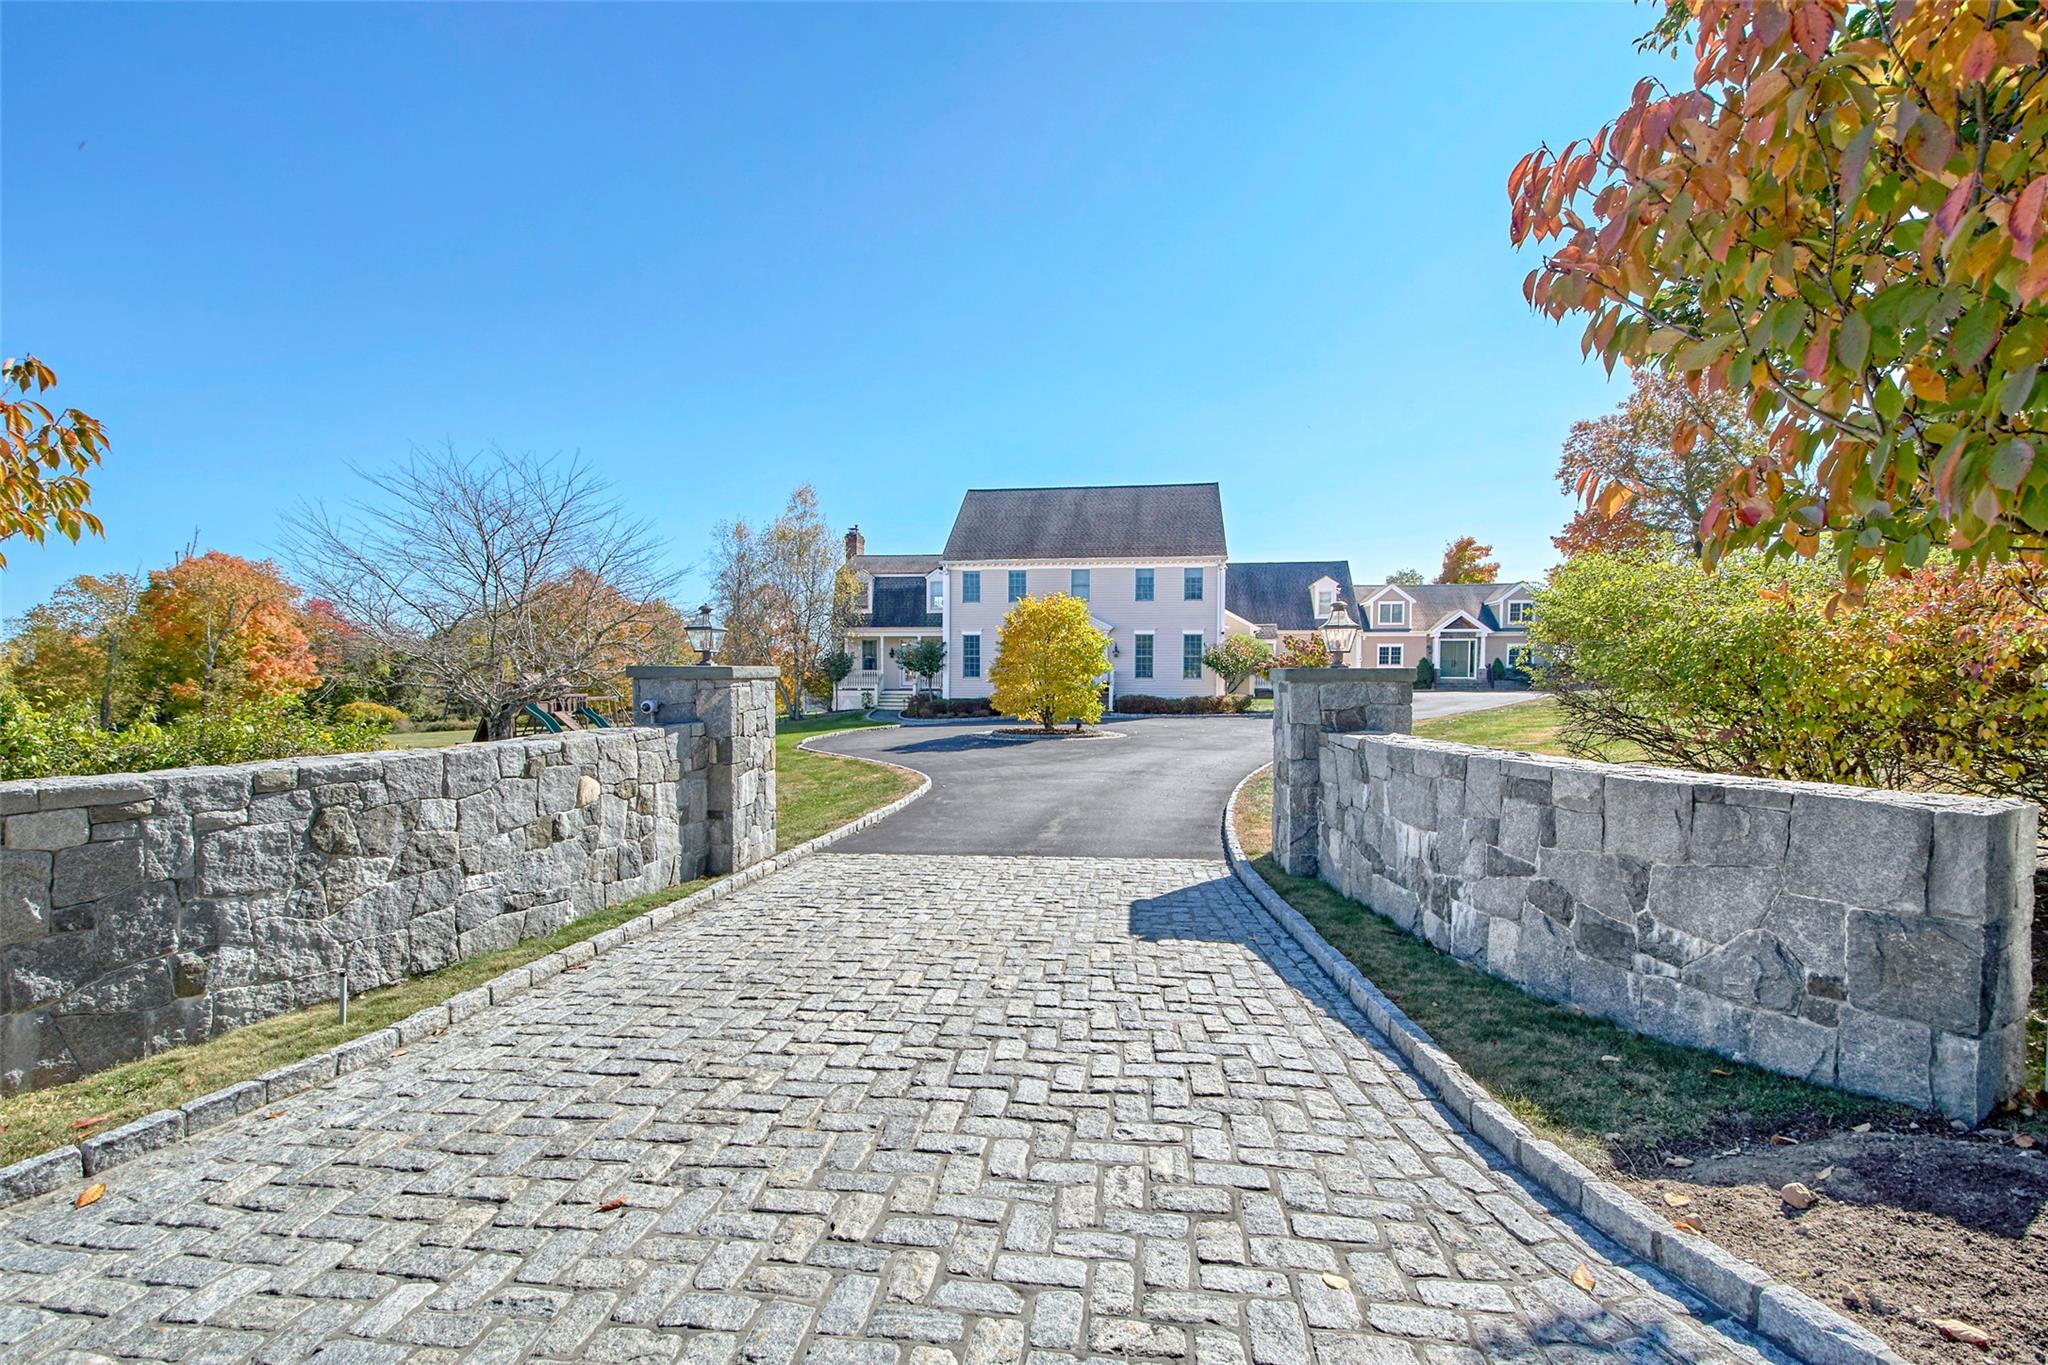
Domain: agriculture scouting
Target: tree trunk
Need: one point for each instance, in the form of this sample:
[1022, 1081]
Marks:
[501, 721]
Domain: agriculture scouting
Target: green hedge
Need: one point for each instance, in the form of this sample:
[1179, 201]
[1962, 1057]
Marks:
[67, 742]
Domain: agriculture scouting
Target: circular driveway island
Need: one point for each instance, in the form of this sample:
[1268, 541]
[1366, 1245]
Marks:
[1156, 791]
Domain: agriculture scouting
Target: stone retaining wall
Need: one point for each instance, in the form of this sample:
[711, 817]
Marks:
[1874, 941]
[143, 911]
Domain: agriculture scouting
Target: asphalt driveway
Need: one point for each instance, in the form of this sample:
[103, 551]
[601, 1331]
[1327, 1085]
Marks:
[1156, 790]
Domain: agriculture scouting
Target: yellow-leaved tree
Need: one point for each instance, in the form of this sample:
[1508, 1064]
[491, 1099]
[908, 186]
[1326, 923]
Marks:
[1049, 660]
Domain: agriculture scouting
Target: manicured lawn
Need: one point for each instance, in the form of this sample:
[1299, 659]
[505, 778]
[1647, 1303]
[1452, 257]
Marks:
[1530, 726]
[816, 793]
[428, 739]
[1583, 1082]
[41, 1119]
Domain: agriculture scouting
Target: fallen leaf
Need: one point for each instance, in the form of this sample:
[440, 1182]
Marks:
[1335, 1281]
[275, 1113]
[91, 1194]
[1676, 1200]
[575, 966]
[88, 1123]
[2022, 1140]
[1718, 1071]
[1582, 1276]
[1860, 1128]
[1780, 1140]
[1797, 1196]
[1678, 1163]
[608, 1205]
[1687, 1225]
[398, 1052]
[1955, 1329]
[1826, 1173]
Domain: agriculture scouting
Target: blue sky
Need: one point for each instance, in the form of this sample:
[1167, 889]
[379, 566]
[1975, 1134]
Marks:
[896, 252]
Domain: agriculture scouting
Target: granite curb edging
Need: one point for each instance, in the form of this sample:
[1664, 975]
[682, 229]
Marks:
[1790, 1319]
[49, 1171]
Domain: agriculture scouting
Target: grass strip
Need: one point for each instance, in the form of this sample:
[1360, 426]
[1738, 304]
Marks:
[1587, 1084]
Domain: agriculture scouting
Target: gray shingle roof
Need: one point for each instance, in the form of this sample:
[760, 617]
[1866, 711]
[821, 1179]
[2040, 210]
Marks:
[1278, 594]
[1436, 601]
[900, 601]
[895, 564]
[1138, 521]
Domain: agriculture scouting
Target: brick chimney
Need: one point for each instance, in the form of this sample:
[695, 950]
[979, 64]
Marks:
[856, 543]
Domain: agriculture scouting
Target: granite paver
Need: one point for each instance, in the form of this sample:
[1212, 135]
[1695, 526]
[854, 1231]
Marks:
[873, 1109]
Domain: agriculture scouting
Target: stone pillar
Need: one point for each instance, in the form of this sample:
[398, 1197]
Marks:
[1307, 704]
[736, 708]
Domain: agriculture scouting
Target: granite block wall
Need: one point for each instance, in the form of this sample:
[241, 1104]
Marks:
[735, 706]
[143, 911]
[1873, 941]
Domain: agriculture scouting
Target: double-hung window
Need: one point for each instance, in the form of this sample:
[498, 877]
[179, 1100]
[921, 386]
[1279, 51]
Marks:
[1325, 599]
[1390, 613]
[1521, 613]
[1191, 654]
[1191, 585]
[1391, 655]
[1016, 585]
[1144, 589]
[867, 656]
[970, 654]
[1077, 583]
[935, 593]
[1141, 652]
[970, 585]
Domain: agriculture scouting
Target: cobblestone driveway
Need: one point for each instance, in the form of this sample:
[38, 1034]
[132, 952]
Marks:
[873, 1109]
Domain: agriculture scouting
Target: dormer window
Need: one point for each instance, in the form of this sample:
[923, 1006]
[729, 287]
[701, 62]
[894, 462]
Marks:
[1390, 612]
[1326, 597]
[867, 592]
[1521, 613]
[935, 592]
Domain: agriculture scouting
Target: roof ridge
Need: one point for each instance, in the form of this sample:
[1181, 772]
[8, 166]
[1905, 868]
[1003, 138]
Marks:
[1092, 487]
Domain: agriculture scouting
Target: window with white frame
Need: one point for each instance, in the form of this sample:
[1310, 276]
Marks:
[1392, 656]
[970, 585]
[1142, 586]
[1191, 585]
[1191, 654]
[1141, 654]
[970, 654]
[1521, 613]
[867, 656]
[1016, 585]
[1390, 611]
[867, 592]
[1325, 599]
[935, 594]
[1077, 583]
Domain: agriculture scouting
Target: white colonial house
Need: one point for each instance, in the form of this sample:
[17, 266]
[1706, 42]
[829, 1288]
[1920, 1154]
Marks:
[1149, 559]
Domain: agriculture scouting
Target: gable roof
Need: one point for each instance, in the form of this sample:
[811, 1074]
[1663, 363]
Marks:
[894, 564]
[1437, 602]
[1277, 594]
[1132, 521]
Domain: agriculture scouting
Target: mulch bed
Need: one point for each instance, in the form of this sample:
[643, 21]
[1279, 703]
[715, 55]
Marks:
[1065, 732]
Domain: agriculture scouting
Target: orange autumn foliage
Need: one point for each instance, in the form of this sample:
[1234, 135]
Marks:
[219, 627]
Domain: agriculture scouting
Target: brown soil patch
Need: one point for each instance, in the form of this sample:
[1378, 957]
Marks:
[1906, 1229]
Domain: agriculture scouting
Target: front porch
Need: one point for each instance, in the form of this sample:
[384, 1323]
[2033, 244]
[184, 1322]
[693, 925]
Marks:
[879, 677]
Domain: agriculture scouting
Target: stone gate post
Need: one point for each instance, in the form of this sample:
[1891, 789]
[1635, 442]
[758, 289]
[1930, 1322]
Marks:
[1307, 704]
[735, 706]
